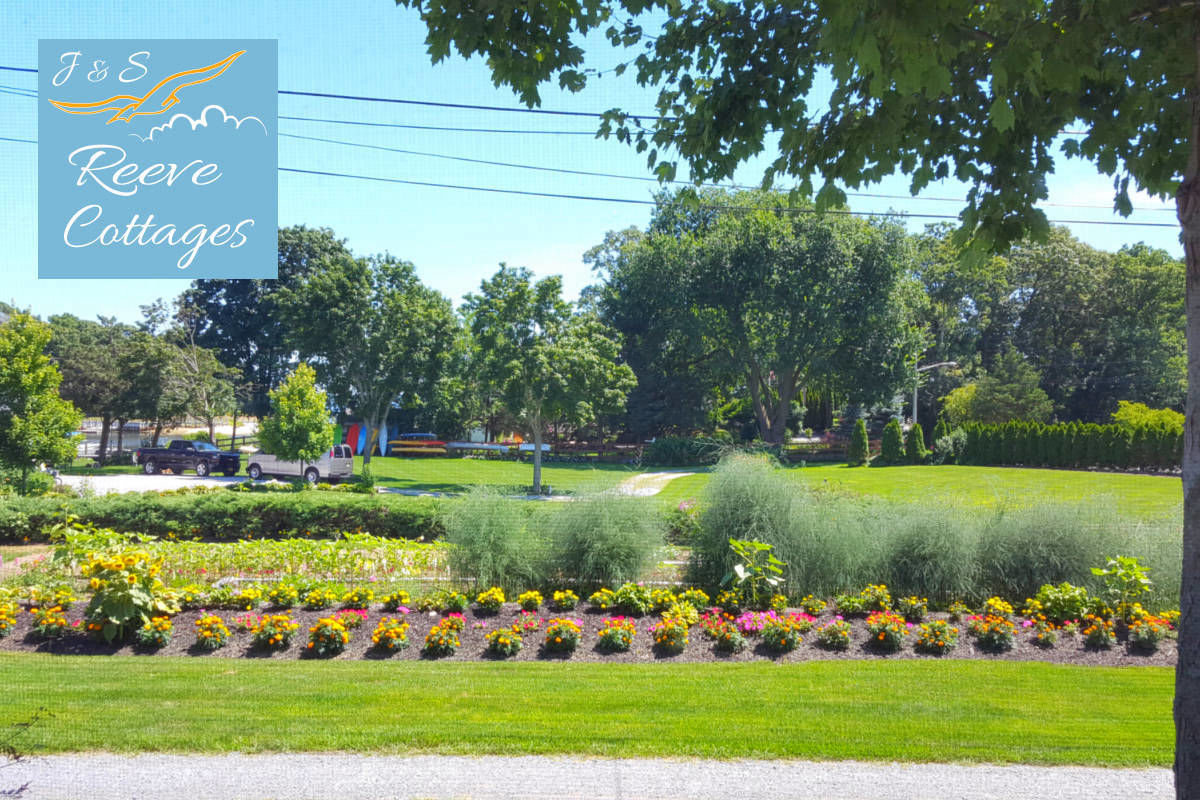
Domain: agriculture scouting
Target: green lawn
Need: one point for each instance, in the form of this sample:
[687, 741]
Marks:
[1143, 496]
[83, 466]
[965, 711]
[459, 474]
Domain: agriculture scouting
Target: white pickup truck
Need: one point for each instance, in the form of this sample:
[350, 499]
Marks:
[336, 464]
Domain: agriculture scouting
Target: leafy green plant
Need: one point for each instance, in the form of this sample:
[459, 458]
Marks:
[913, 608]
[938, 637]
[1063, 601]
[390, 635]
[320, 599]
[49, 622]
[633, 599]
[273, 631]
[757, 574]
[126, 592]
[603, 599]
[530, 601]
[1098, 632]
[504, 642]
[727, 638]
[834, 635]
[283, 595]
[670, 635]
[327, 637]
[8, 617]
[888, 631]
[211, 632]
[566, 600]
[562, 635]
[617, 634]
[858, 453]
[156, 633]
[694, 596]
[992, 632]
[781, 635]
[1125, 581]
[491, 600]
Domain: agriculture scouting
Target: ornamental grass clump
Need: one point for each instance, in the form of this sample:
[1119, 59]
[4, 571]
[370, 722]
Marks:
[531, 600]
[491, 600]
[390, 635]
[617, 634]
[358, 598]
[49, 623]
[938, 637]
[283, 596]
[504, 643]
[211, 633]
[992, 632]
[327, 637]
[566, 600]
[888, 631]
[670, 635]
[395, 601]
[781, 635]
[273, 631]
[562, 635]
[834, 635]
[155, 634]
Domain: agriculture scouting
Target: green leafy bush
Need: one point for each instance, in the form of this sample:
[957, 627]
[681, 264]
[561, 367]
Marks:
[1063, 602]
[858, 453]
[891, 445]
[914, 445]
[220, 515]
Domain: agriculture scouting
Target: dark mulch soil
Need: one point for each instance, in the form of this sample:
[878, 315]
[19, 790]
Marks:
[1068, 650]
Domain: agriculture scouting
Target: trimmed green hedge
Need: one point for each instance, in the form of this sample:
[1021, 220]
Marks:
[224, 515]
[1072, 444]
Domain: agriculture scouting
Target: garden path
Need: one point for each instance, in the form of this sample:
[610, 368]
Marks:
[103, 776]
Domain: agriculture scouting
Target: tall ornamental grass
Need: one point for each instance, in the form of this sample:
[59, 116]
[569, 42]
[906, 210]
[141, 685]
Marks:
[836, 543]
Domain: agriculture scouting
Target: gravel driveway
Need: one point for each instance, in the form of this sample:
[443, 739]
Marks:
[348, 777]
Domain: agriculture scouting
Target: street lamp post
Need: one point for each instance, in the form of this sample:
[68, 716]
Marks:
[917, 381]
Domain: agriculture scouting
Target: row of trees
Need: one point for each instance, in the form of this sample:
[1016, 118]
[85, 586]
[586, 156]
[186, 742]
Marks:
[1073, 444]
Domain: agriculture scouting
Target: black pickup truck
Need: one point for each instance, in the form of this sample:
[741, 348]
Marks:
[183, 454]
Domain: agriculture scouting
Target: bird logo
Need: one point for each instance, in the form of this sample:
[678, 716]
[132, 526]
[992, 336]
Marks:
[160, 98]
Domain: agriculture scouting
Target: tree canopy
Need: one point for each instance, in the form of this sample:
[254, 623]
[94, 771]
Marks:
[298, 428]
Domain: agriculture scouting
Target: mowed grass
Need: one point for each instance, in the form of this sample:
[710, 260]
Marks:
[963, 711]
[1141, 496]
[459, 474]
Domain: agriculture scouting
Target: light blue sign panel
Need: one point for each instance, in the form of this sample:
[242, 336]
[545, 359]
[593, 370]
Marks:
[157, 158]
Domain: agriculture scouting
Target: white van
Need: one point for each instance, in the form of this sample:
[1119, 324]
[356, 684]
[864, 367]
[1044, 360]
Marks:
[335, 465]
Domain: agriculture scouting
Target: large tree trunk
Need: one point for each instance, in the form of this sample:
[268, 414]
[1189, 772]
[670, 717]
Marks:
[374, 426]
[1187, 672]
[537, 457]
[105, 426]
[772, 417]
[120, 436]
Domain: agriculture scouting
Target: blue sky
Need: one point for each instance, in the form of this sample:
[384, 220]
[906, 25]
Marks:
[455, 238]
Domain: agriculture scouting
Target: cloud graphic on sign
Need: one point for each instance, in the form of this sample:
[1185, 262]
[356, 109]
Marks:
[203, 121]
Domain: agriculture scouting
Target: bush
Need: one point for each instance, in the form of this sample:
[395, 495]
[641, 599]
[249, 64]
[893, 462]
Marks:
[949, 449]
[670, 635]
[937, 637]
[1098, 632]
[891, 446]
[781, 635]
[888, 631]
[442, 640]
[531, 601]
[858, 453]
[633, 600]
[562, 635]
[221, 515]
[564, 600]
[156, 633]
[834, 635]
[605, 539]
[992, 632]
[491, 600]
[677, 451]
[211, 632]
[390, 635]
[504, 642]
[395, 601]
[914, 445]
[1063, 602]
[126, 593]
[274, 632]
[617, 634]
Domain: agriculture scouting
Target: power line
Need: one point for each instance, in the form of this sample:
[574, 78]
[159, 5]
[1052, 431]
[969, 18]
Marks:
[434, 127]
[645, 178]
[437, 104]
[639, 202]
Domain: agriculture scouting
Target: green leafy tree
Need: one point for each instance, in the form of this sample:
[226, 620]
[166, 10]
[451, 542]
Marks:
[858, 454]
[241, 320]
[775, 302]
[891, 446]
[298, 428]
[1009, 391]
[377, 337]
[35, 423]
[975, 91]
[544, 361]
[1133, 416]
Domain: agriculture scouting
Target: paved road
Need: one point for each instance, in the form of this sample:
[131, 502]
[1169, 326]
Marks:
[641, 485]
[349, 777]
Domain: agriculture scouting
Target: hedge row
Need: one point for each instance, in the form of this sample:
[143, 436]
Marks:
[224, 515]
[1072, 444]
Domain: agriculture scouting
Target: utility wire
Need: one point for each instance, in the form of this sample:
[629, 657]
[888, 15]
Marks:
[434, 127]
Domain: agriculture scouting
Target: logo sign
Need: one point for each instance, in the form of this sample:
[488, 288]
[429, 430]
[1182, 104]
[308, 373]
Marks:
[157, 158]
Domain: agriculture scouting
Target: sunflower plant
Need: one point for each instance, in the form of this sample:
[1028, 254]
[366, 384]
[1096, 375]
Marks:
[126, 592]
